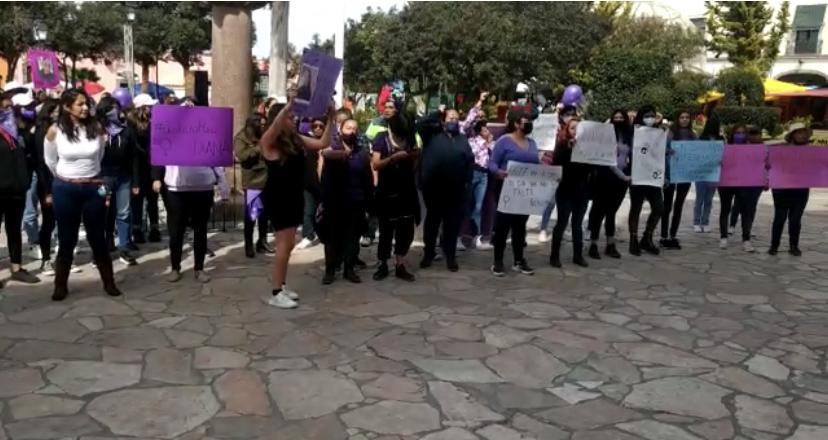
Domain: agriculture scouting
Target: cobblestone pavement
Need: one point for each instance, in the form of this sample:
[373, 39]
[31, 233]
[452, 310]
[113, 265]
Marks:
[695, 344]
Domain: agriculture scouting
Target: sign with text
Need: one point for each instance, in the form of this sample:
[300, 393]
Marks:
[191, 136]
[528, 188]
[595, 144]
[696, 161]
[798, 166]
[545, 131]
[317, 81]
[45, 68]
[744, 166]
[649, 146]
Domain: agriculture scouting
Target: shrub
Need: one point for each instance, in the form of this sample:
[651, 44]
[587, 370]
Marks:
[766, 118]
[742, 86]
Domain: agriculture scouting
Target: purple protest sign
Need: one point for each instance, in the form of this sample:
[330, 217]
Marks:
[743, 165]
[798, 166]
[191, 136]
[317, 81]
[45, 68]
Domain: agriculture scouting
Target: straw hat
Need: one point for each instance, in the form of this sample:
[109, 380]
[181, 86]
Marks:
[796, 126]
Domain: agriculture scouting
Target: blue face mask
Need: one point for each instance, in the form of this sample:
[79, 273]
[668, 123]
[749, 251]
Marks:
[739, 138]
[453, 128]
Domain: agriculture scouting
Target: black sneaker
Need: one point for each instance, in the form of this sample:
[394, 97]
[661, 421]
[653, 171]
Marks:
[154, 235]
[23, 276]
[138, 237]
[127, 258]
[263, 248]
[593, 252]
[773, 251]
[451, 265]
[555, 262]
[402, 273]
[329, 278]
[497, 269]
[382, 272]
[612, 252]
[579, 261]
[795, 252]
[352, 276]
[523, 267]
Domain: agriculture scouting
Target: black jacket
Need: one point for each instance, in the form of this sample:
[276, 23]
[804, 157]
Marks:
[15, 177]
[447, 161]
[120, 157]
[44, 174]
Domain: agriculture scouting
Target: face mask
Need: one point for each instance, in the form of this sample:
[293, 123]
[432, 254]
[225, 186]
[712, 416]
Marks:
[649, 122]
[349, 139]
[527, 128]
[7, 122]
[739, 138]
[114, 116]
[453, 127]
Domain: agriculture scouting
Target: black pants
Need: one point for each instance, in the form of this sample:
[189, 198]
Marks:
[504, 223]
[605, 203]
[574, 205]
[137, 208]
[344, 226]
[399, 233]
[47, 227]
[747, 199]
[11, 212]
[443, 207]
[249, 224]
[735, 212]
[653, 196]
[188, 208]
[788, 204]
[679, 191]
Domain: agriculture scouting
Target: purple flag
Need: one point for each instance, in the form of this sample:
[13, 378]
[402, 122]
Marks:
[191, 136]
[317, 81]
[45, 68]
[743, 165]
[798, 166]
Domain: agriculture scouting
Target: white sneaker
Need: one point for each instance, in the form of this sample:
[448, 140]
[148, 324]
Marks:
[543, 237]
[289, 293]
[706, 229]
[47, 268]
[698, 229]
[482, 245]
[304, 244]
[732, 229]
[747, 246]
[282, 301]
[460, 246]
[35, 253]
[723, 243]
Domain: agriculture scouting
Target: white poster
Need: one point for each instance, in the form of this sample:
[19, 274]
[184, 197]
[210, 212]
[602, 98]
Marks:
[545, 131]
[528, 188]
[595, 144]
[649, 146]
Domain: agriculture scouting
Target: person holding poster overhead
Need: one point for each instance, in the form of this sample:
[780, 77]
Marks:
[706, 190]
[610, 187]
[789, 203]
[681, 130]
[647, 117]
[515, 146]
[283, 149]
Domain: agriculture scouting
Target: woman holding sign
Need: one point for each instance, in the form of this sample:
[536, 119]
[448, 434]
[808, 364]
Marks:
[746, 197]
[789, 203]
[283, 149]
[647, 117]
[675, 193]
[571, 197]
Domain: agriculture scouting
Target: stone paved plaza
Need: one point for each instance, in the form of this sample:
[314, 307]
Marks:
[694, 344]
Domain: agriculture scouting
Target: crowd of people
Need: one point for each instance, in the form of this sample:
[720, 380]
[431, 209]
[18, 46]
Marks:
[87, 162]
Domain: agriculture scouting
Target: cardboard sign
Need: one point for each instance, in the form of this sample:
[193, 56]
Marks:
[798, 166]
[317, 81]
[545, 131]
[649, 146]
[744, 166]
[595, 144]
[45, 68]
[696, 161]
[528, 188]
[191, 136]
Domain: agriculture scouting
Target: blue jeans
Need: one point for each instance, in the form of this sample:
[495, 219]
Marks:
[480, 180]
[74, 203]
[547, 214]
[30, 213]
[704, 203]
[119, 213]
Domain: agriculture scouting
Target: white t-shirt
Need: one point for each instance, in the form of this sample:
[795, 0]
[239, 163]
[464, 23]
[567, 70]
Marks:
[74, 160]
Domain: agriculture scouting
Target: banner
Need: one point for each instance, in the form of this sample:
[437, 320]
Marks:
[696, 161]
[528, 188]
[798, 166]
[744, 165]
[595, 144]
[191, 136]
[317, 81]
[545, 131]
[45, 68]
[649, 145]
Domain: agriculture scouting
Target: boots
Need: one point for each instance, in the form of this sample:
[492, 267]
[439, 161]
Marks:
[593, 252]
[611, 251]
[248, 249]
[578, 256]
[107, 276]
[647, 244]
[555, 256]
[634, 247]
[62, 269]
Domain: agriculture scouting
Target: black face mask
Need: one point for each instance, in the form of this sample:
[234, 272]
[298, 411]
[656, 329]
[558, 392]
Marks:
[527, 128]
[349, 139]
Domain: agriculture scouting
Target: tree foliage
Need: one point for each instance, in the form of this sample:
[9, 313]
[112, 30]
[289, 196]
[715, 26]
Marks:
[17, 30]
[318, 45]
[742, 86]
[746, 32]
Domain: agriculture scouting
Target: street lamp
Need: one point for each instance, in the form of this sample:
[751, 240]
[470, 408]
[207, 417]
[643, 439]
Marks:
[40, 33]
[129, 58]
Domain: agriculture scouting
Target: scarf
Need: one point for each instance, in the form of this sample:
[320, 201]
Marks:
[114, 126]
[8, 123]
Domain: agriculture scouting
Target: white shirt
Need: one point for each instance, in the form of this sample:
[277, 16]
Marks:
[74, 160]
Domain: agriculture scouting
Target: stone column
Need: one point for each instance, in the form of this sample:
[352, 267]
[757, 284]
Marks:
[232, 64]
[277, 73]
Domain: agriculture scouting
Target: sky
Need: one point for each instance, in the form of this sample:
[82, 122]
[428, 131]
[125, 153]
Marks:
[308, 17]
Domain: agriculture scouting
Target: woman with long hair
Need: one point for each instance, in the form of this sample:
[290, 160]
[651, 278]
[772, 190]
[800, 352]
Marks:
[283, 149]
[789, 203]
[647, 117]
[610, 187]
[139, 120]
[254, 175]
[73, 150]
[746, 196]
[347, 184]
[571, 197]
[47, 117]
[706, 190]
[675, 193]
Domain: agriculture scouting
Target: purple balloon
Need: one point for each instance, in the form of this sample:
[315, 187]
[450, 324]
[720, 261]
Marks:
[123, 97]
[572, 95]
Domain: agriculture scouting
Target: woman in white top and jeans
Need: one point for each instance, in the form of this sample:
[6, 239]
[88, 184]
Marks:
[73, 150]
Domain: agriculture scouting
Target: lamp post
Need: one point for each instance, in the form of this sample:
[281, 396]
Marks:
[129, 58]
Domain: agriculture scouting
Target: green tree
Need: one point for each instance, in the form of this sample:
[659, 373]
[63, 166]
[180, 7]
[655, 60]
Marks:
[151, 35]
[190, 32]
[746, 32]
[317, 44]
[16, 32]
